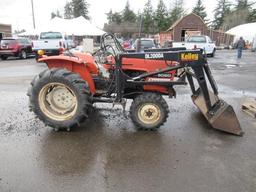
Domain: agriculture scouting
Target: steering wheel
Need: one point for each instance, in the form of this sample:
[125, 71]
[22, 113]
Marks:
[116, 43]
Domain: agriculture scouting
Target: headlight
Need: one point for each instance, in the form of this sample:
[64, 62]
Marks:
[40, 52]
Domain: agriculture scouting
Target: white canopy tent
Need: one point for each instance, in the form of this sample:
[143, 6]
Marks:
[247, 31]
[78, 26]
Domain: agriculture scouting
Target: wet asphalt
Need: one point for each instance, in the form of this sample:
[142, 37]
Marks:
[108, 154]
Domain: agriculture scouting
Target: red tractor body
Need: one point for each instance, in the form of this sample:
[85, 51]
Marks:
[61, 95]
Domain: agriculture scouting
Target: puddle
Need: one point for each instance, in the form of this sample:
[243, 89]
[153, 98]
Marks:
[232, 65]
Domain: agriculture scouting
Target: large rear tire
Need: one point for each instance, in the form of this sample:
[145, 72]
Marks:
[149, 111]
[60, 98]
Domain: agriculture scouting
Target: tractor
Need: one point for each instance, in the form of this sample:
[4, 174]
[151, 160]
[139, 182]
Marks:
[62, 95]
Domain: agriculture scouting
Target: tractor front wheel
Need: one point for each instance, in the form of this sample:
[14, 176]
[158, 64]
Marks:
[59, 98]
[149, 111]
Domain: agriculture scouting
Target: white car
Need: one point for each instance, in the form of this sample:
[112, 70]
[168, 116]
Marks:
[198, 42]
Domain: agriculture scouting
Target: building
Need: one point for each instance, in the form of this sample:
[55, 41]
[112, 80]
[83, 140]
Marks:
[192, 24]
[5, 31]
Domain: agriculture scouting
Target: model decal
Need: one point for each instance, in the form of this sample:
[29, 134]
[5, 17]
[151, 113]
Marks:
[154, 56]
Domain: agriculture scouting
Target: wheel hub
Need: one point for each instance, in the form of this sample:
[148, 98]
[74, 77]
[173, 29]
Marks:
[58, 101]
[61, 98]
[149, 113]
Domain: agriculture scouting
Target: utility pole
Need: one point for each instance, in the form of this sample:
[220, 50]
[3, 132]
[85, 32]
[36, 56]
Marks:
[33, 15]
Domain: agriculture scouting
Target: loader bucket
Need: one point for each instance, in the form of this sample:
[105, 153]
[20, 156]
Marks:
[221, 116]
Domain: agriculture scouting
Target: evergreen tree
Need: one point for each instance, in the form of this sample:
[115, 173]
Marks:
[177, 11]
[199, 10]
[242, 13]
[110, 16]
[80, 8]
[242, 4]
[252, 16]
[161, 16]
[114, 17]
[222, 9]
[246, 7]
[148, 17]
[68, 11]
[117, 18]
[57, 14]
[76, 8]
[128, 15]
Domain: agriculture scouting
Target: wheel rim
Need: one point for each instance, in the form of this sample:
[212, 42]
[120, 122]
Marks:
[149, 113]
[57, 101]
[23, 54]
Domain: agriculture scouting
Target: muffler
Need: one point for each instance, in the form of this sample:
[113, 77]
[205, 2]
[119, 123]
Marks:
[221, 115]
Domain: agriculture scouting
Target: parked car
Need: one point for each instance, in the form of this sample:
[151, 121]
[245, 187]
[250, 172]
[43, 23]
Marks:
[146, 43]
[52, 43]
[199, 42]
[126, 44]
[168, 44]
[15, 47]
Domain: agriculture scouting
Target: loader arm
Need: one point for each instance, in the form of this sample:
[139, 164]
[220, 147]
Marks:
[217, 112]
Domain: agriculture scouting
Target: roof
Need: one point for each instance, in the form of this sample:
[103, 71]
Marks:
[179, 20]
[247, 31]
[78, 26]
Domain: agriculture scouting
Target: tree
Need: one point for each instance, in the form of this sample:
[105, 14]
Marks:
[222, 9]
[76, 8]
[114, 17]
[176, 12]
[242, 13]
[117, 18]
[252, 16]
[242, 4]
[148, 17]
[199, 10]
[128, 15]
[17, 31]
[57, 14]
[246, 6]
[80, 8]
[68, 11]
[161, 16]
[110, 16]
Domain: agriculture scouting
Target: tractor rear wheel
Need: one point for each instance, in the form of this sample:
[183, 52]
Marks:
[149, 111]
[60, 98]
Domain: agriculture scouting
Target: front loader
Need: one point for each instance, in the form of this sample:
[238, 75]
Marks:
[62, 95]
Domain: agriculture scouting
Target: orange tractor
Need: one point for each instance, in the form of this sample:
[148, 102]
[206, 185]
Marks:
[62, 95]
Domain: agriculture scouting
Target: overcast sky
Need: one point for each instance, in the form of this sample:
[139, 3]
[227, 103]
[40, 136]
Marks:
[19, 14]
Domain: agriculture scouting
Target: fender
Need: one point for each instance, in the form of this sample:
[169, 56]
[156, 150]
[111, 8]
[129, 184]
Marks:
[80, 66]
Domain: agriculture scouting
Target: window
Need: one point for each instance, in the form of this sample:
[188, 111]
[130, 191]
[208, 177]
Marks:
[5, 42]
[51, 35]
[147, 43]
[197, 39]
